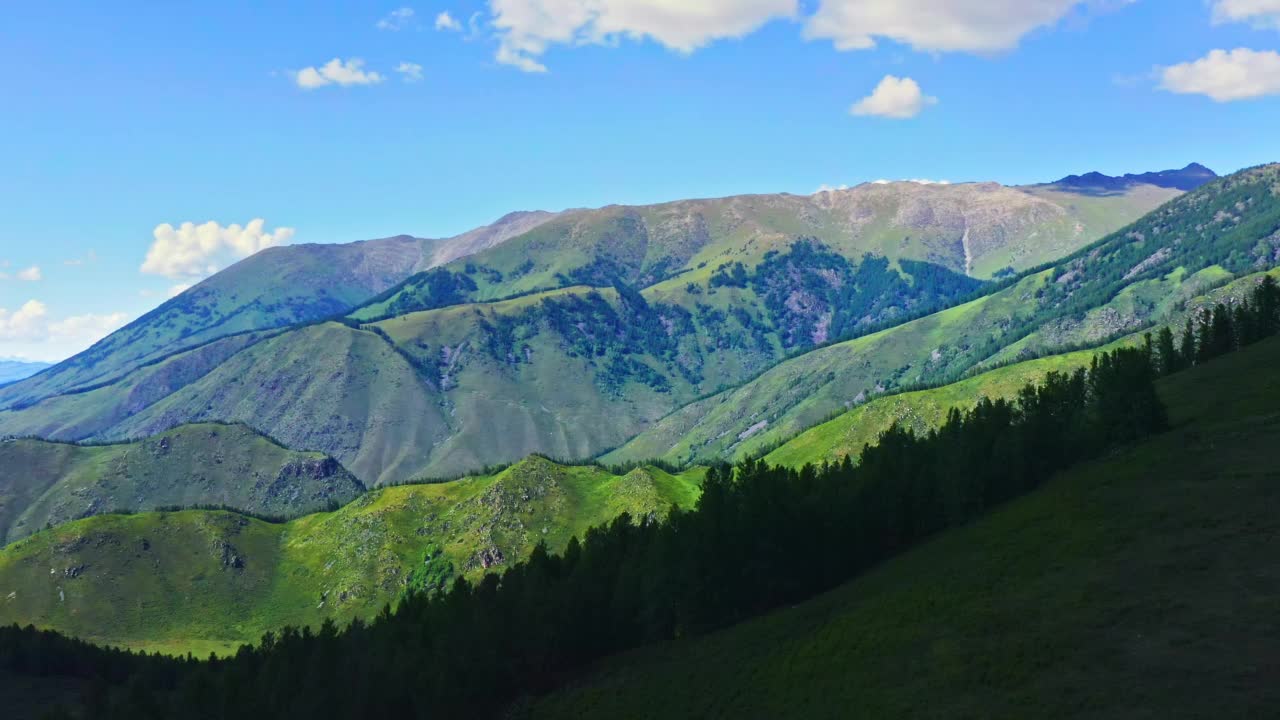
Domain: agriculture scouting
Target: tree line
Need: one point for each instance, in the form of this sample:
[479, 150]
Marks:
[760, 537]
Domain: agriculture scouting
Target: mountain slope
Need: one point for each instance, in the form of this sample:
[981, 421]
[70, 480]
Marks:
[51, 483]
[277, 287]
[1140, 585]
[211, 580]
[650, 308]
[1129, 280]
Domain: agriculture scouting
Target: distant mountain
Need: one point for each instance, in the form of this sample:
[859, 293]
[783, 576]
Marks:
[278, 287]
[1186, 179]
[14, 370]
[568, 338]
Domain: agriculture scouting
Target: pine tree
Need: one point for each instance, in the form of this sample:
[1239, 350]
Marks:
[1187, 353]
[1167, 358]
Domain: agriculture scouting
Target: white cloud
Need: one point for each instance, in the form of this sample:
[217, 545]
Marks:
[1261, 13]
[31, 333]
[396, 19]
[445, 21]
[88, 259]
[336, 72]
[981, 26]
[176, 290]
[25, 323]
[895, 97]
[410, 72]
[192, 251]
[527, 28]
[31, 274]
[1224, 75]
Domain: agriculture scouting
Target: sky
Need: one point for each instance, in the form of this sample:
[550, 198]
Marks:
[146, 145]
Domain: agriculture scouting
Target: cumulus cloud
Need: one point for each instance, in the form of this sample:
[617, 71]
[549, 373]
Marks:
[409, 72]
[176, 290]
[30, 274]
[396, 19]
[445, 21]
[336, 72]
[30, 332]
[896, 98]
[527, 28]
[191, 251]
[1260, 13]
[981, 26]
[1224, 76]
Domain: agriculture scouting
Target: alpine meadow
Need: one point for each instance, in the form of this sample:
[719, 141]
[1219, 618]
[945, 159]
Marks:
[867, 359]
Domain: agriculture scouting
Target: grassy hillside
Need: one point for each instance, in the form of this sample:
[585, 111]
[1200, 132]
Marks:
[201, 580]
[921, 411]
[52, 483]
[1141, 585]
[1146, 274]
[926, 409]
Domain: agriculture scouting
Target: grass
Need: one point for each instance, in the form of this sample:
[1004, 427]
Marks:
[1143, 585]
[921, 411]
[200, 581]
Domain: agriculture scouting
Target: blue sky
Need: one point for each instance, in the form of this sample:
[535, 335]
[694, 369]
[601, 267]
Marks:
[117, 118]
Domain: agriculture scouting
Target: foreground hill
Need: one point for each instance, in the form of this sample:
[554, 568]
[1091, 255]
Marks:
[201, 580]
[49, 483]
[1142, 585]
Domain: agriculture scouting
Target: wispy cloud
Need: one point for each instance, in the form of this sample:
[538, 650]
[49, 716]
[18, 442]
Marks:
[336, 72]
[33, 333]
[409, 72]
[446, 22]
[396, 20]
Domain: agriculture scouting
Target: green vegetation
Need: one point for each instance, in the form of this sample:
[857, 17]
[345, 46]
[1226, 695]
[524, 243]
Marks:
[919, 411]
[1139, 585]
[48, 483]
[199, 580]
[486, 355]
[759, 538]
[1142, 276]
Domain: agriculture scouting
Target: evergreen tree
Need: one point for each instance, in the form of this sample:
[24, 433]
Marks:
[1167, 357]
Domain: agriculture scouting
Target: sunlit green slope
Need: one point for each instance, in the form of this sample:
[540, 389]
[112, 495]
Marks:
[210, 580]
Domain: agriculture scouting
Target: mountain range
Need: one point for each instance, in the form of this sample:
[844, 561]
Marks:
[568, 333]
[625, 337]
[1188, 178]
[15, 370]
